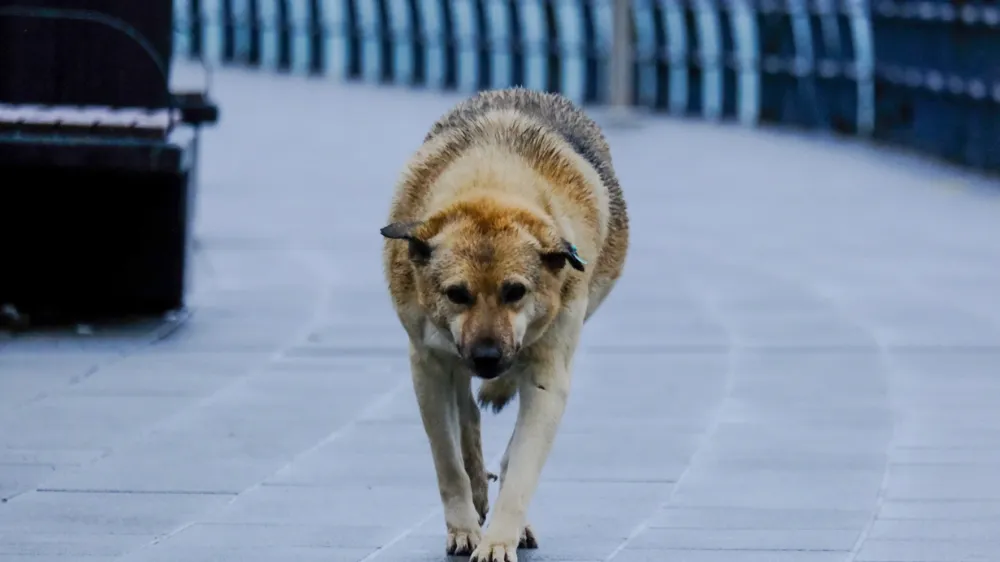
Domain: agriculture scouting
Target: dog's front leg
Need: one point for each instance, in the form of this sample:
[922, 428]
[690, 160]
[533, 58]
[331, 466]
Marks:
[472, 447]
[434, 383]
[543, 392]
[528, 540]
[542, 402]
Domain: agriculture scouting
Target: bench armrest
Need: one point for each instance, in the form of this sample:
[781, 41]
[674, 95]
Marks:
[195, 108]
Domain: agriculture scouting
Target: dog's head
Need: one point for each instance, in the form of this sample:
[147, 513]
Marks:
[488, 278]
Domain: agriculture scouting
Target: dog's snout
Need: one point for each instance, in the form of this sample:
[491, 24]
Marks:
[487, 359]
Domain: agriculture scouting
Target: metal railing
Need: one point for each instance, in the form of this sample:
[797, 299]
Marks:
[920, 74]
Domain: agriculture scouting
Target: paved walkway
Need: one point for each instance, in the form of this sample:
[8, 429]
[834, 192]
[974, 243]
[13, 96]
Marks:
[802, 364]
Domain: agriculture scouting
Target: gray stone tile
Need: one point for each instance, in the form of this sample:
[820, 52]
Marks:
[691, 331]
[595, 509]
[238, 438]
[48, 457]
[927, 551]
[400, 451]
[196, 374]
[45, 558]
[384, 505]
[19, 478]
[942, 370]
[757, 518]
[941, 510]
[148, 468]
[780, 446]
[416, 549]
[639, 455]
[630, 555]
[947, 456]
[943, 482]
[779, 489]
[935, 530]
[747, 539]
[26, 377]
[84, 422]
[54, 513]
[236, 553]
[968, 434]
[384, 333]
[806, 331]
[35, 546]
[219, 536]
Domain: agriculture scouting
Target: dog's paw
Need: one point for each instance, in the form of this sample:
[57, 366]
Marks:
[490, 551]
[461, 542]
[497, 393]
[528, 540]
[482, 503]
[480, 481]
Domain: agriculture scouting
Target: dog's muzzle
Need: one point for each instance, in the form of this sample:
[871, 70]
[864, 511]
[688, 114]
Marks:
[487, 361]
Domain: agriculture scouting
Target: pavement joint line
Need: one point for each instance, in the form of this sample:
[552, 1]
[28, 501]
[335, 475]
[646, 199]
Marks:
[325, 277]
[494, 462]
[712, 310]
[740, 549]
[162, 329]
[612, 480]
[401, 536]
[676, 349]
[929, 294]
[375, 405]
[889, 368]
[135, 492]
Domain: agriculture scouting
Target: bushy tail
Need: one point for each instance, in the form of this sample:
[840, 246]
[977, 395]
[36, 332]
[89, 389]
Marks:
[497, 393]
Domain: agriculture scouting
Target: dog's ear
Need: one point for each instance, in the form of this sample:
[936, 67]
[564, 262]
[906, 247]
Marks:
[420, 251]
[555, 260]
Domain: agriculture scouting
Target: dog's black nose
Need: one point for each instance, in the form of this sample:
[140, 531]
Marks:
[487, 359]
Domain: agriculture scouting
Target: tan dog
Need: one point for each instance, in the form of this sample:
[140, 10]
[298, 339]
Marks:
[507, 231]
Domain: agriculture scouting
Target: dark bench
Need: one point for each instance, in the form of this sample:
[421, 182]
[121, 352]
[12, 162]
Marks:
[98, 161]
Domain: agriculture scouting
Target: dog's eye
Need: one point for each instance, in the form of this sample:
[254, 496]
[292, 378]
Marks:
[459, 295]
[512, 292]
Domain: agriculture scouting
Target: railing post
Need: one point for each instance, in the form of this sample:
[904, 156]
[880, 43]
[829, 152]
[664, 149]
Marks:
[621, 67]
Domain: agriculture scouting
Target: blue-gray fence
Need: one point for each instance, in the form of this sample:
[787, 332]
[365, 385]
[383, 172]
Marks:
[920, 74]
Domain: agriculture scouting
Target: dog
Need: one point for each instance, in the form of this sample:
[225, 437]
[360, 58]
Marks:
[507, 231]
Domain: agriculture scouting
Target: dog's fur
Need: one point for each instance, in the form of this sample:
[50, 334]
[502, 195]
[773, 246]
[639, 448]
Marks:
[508, 226]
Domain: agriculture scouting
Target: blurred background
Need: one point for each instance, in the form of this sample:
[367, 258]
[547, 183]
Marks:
[916, 74]
[198, 360]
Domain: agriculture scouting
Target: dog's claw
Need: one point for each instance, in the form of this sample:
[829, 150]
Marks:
[528, 540]
[492, 477]
[494, 553]
[462, 543]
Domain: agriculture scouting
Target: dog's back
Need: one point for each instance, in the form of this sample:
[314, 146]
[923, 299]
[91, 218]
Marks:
[581, 133]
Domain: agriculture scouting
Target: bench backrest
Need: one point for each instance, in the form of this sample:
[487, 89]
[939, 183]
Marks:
[49, 61]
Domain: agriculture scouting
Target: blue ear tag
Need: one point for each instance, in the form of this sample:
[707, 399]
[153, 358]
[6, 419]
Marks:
[574, 257]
